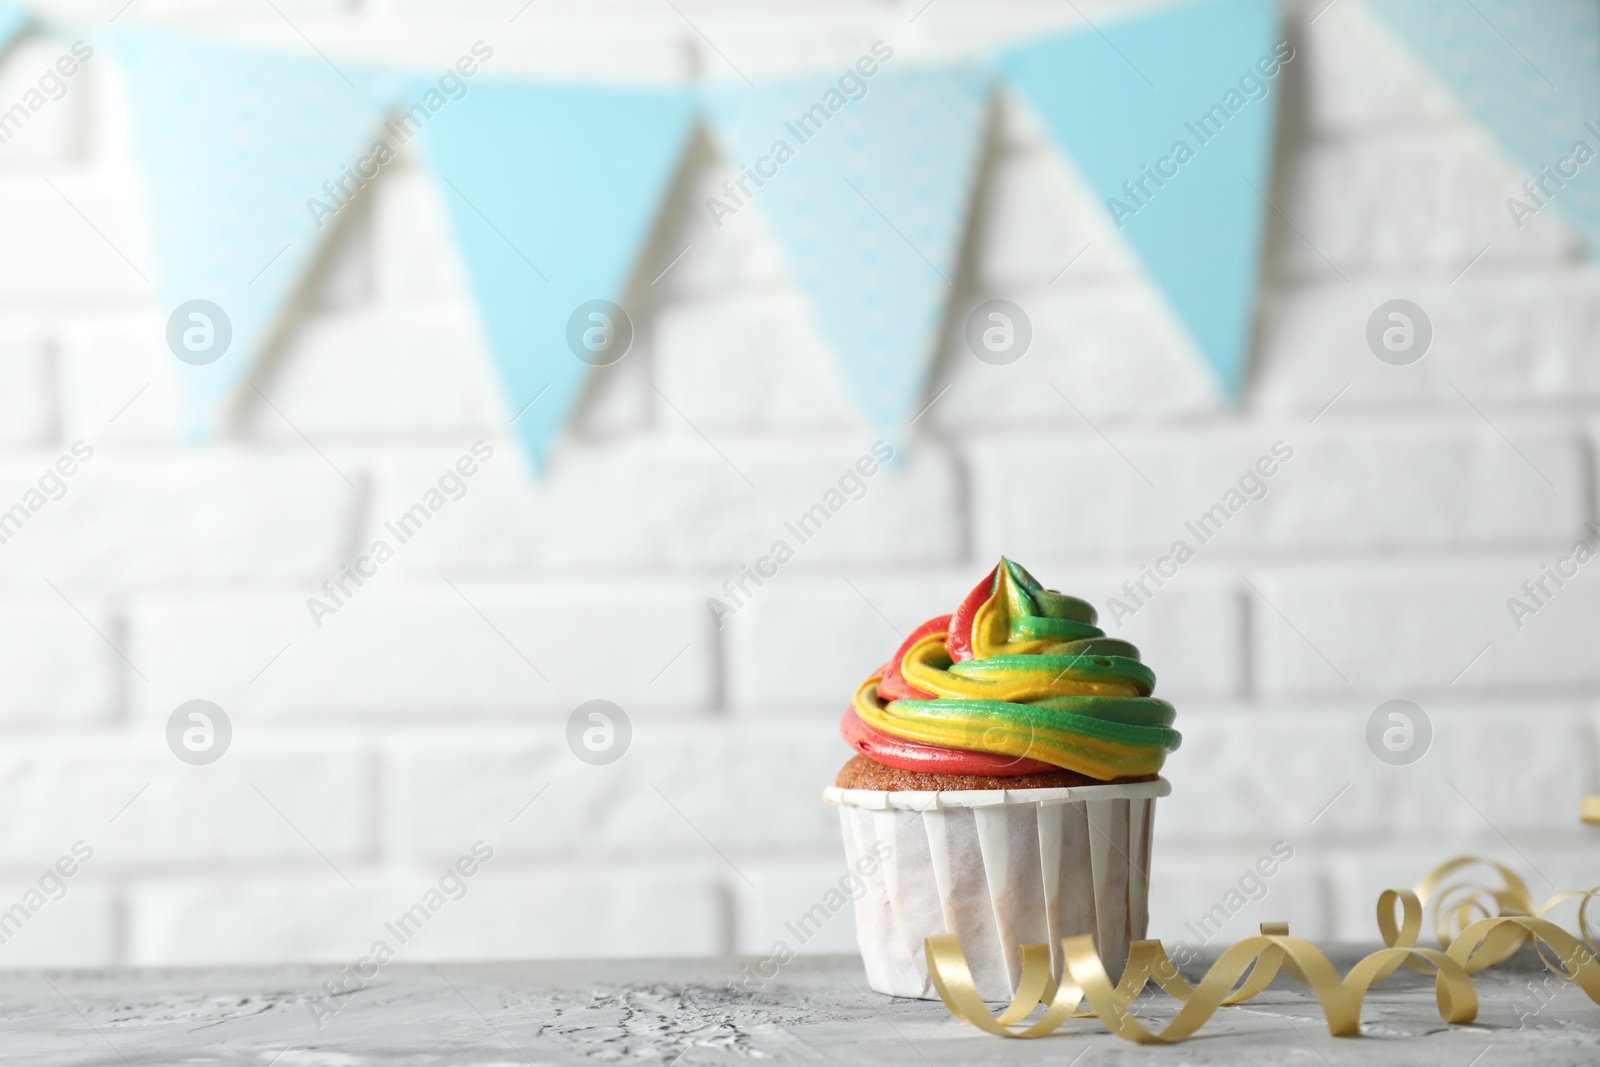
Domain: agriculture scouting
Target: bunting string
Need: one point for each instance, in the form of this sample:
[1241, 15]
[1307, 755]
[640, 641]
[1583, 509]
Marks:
[865, 174]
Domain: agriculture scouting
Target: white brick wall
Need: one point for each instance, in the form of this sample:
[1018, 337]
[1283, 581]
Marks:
[372, 750]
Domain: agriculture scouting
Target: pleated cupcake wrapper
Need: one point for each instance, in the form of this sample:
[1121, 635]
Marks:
[999, 869]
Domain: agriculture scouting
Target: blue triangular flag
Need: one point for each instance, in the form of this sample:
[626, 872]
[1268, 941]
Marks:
[552, 191]
[1121, 101]
[1531, 74]
[867, 182]
[247, 160]
[13, 20]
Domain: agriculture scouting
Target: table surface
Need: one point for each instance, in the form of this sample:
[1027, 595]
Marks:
[694, 1013]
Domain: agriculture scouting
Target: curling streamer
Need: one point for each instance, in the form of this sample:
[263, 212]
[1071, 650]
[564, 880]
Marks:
[1477, 926]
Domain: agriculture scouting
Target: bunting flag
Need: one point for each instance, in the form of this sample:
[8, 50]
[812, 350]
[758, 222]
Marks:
[13, 20]
[1170, 118]
[248, 160]
[552, 191]
[1530, 73]
[867, 181]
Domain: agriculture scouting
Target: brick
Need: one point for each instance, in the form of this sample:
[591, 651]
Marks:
[394, 651]
[673, 502]
[372, 373]
[955, 30]
[118, 381]
[1127, 513]
[619, 912]
[1394, 87]
[1186, 891]
[750, 361]
[265, 920]
[827, 40]
[77, 929]
[638, 913]
[220, 515]
[1458, 484]
[673, 785]
[1362, 872]
[1110, 351]
[144, 808]
[57, 670]
[1425, 198]
[809, 644]
[723, 254]
[53, 134]
[646, 46]
[781, 906]
[415, 254]
[1307, 775]
[1455, 485]
[67, 260]
[1034, 216]
[1420, 630]
[566, 42]
[616, 400]
[27, 391]
[1191, 632]
[343, 274]
[1500, 337]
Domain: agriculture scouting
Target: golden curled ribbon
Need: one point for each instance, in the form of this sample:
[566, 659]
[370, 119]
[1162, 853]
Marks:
[1471, 938]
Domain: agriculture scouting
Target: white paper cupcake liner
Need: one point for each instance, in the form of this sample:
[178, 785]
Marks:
[999, 869]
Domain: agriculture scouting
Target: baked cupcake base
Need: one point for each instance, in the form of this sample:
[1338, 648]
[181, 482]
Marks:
[864, 773]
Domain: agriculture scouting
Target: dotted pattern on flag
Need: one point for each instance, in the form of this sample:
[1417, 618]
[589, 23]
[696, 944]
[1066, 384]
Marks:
[232, 145]
[1530, 72]
[871, 209]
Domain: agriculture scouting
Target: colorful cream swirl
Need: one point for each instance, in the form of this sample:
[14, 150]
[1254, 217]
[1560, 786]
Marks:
[1017, 681]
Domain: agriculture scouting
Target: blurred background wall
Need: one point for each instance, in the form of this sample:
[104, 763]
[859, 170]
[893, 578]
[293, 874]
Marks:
[430, 711]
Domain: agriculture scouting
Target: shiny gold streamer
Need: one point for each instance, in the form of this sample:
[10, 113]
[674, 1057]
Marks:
[1477, 927]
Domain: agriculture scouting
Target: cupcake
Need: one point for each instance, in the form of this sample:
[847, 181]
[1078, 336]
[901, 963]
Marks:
[1003, 788]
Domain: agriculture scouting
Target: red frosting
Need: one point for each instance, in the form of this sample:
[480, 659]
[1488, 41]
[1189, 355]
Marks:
[932, 759]
[894, 685]
[959, 642]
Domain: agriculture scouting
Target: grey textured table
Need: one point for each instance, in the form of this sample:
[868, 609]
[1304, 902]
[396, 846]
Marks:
[690, 1013]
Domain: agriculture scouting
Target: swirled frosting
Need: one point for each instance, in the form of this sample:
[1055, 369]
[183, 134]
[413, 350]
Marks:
[1019, 679]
